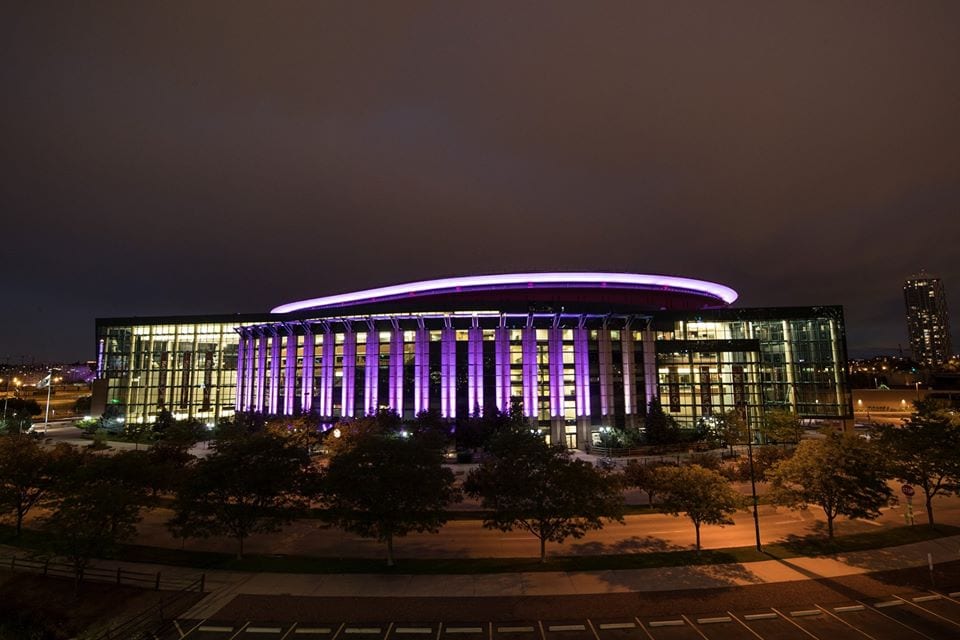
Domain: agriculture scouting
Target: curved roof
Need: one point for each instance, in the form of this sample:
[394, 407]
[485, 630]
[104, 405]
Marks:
[718, 293]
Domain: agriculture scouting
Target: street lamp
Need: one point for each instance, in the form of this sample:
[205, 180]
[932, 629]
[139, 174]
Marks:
[49, 379]
[753, 477]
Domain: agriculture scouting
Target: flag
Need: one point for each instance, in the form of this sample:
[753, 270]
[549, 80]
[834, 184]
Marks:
[43, 384]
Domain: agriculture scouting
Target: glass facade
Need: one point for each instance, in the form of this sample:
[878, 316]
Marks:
[189, 369]
[572, 373]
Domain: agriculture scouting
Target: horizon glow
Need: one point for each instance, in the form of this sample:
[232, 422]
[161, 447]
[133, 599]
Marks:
[651, 281]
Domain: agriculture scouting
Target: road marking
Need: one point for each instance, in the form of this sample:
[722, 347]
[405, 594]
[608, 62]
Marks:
[653, 533]
[263, 629]
[215, 629]
[806, 612]
[760, 616]
[666, 623]
[927, 598]
[176, 623]
[890, 603]
[954, 594]
[714, 620]
[413, 630]
[314, 630]
[514, 629]
[567, 627]
[617, 625]
[853, 607]
[362, 630]
[876, 524]
[464, 629]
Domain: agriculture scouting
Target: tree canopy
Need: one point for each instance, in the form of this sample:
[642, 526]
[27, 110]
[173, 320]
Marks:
[843, 474]
[27, 472]
[925, 450]
[780, 425]
[385, 485]
[95, 504]
[644, 476]
[703, 495]
[659, 428]
[530, 485]
[252, 483]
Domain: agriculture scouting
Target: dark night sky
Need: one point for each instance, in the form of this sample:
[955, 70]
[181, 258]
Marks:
[202, 157]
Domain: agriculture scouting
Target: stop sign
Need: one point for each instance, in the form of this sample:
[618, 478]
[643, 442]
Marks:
[907, 490]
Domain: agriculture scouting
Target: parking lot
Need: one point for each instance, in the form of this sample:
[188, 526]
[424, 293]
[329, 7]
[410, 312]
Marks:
[912, 615]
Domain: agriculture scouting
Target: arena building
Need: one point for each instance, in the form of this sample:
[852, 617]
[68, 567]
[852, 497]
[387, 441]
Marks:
[580, 351]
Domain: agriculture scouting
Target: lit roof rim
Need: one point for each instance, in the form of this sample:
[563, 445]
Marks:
[722, 292]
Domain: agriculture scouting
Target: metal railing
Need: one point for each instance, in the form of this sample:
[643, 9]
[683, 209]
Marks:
[156, 619]
[142, 579]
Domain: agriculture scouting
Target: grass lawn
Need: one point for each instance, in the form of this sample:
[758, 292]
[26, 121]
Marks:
[801, 546]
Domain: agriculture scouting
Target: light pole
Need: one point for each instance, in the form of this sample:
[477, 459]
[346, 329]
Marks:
[46, 417]
[753, 478]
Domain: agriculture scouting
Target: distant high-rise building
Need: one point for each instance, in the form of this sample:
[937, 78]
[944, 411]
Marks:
[927, 321]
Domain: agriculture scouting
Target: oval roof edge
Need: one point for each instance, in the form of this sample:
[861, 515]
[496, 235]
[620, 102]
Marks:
[719, 291]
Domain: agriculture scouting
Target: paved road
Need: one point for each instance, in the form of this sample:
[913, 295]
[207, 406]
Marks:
[468, 539]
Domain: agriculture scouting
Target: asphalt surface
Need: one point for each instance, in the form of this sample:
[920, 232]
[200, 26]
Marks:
[903, 604]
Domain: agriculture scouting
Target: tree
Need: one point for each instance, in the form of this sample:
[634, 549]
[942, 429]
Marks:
[431, 429]
[924, 451]
[843, 474]
[702, 494]
[530, 485]
[250, 484]
[95, 506]
[644, 476]
[383, 486]
[24, 475]
[732, 428]
[81, 405]
[780, 425]
[20, 412]
[660, 428]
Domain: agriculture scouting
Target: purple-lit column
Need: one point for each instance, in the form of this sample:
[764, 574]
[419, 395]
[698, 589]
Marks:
[241, 362]
[421, 368]
[248, 371]
[530, 391]
[502, 357]
[348, 390]
[306, 379]
[581, 368]
[371, 386]
[555, 355]
[290, 371]
[475, 370]
[555, 346]
[448, 372]
[274, 400]
[629, 376]
[649, 366]
[396, 370]
[326, 374]
[261, 370]
[605, 354]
